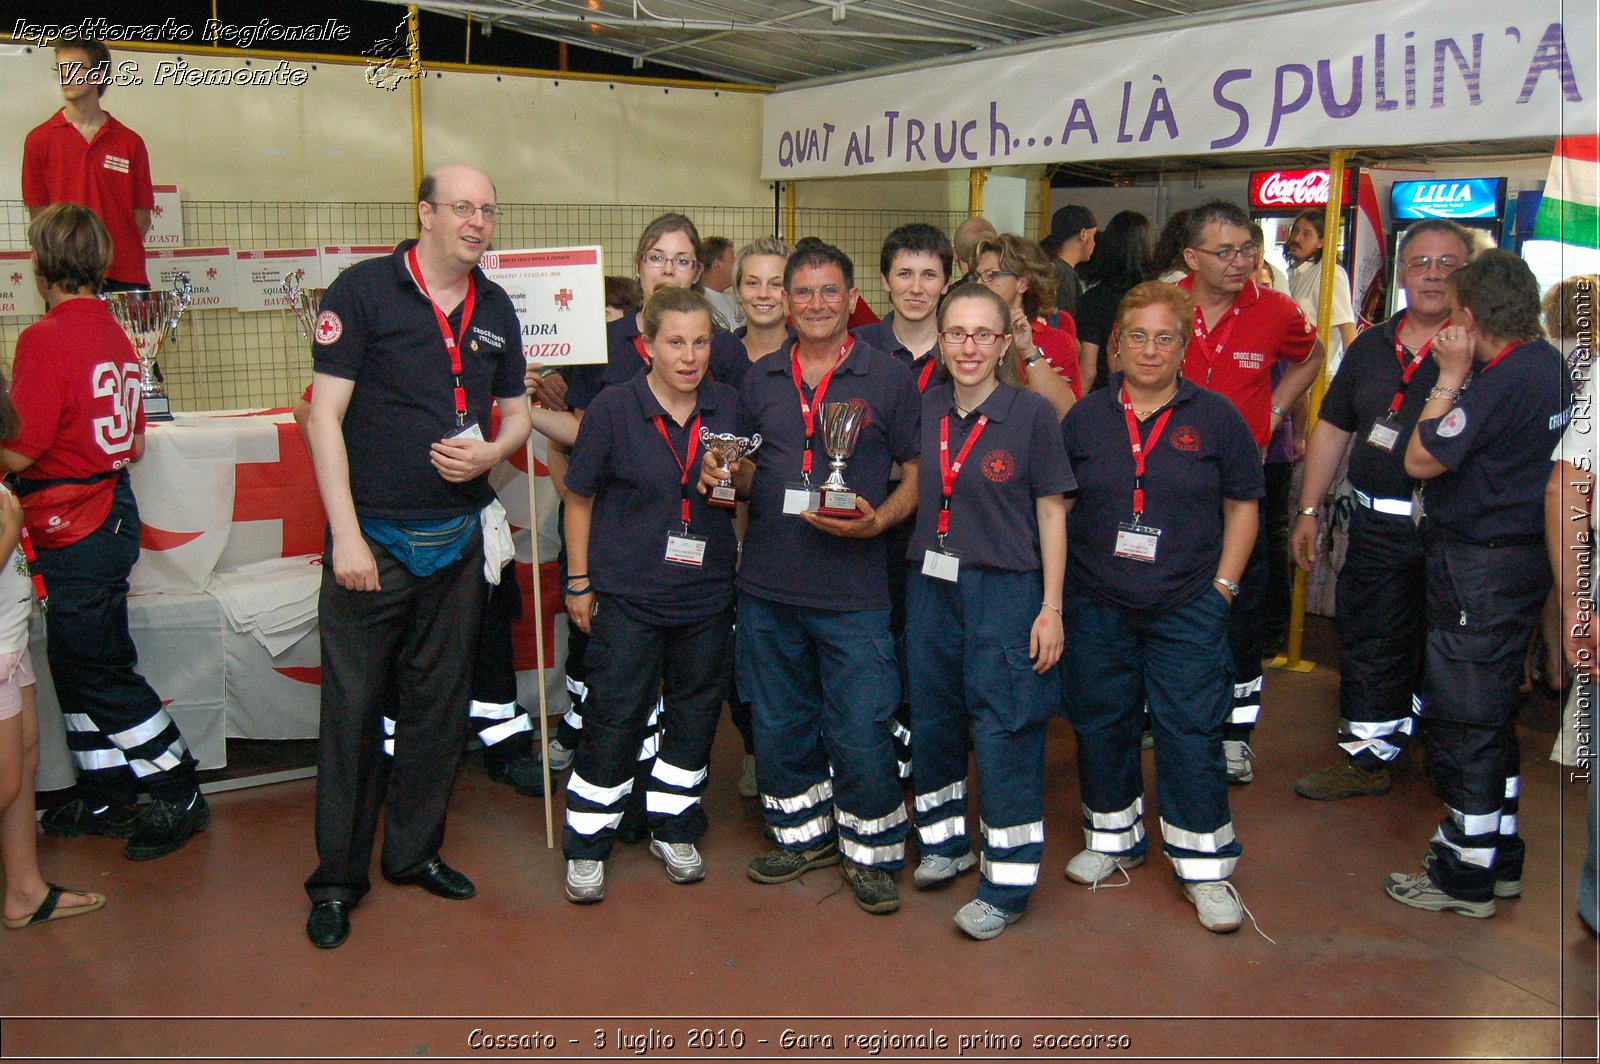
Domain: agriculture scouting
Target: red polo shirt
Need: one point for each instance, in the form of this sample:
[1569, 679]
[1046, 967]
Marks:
[109, 174]
[1236, 354]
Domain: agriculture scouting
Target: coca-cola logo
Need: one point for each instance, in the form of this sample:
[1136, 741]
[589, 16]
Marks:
[1307, 188]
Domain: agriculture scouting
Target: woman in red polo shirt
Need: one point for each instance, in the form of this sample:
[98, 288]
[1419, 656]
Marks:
[1019, 273]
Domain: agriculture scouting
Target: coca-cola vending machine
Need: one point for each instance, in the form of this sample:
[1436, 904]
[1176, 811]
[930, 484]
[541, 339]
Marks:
[1277, 197]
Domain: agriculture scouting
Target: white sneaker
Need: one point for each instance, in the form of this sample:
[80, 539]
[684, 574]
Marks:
[682, 860]
[983, 921]
[934, 869]
[1091, 867]
[586, 881]
[1218, 904]
[1237, 754]
[560, 756]
[747, 778]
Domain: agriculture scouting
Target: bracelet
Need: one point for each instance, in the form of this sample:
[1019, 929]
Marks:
[1037, 355]
[1276, 409]
[1309, 511]
[1047, 606]
[1451, 394]
[573, 576]
[576, 592]
[1233, 588]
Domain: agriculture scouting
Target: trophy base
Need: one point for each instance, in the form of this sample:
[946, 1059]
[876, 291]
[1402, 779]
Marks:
[725, 497]
[838, 504]
[157, 408]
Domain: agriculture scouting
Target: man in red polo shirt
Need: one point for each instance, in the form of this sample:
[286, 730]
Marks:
[83, 155]
[1240, 331]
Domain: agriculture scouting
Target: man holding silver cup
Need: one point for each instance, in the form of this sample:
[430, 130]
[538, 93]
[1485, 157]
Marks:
[814, 655]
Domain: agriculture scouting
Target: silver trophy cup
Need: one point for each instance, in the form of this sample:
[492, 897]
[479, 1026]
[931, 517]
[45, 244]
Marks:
[303, 302]
[729, 449]
[150, 318]
[841, 428]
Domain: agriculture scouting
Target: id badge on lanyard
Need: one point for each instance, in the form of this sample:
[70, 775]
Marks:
[800, 497]
[683, 546]
[941, 564]
[1136, 540]
[464, 426]
[1385, 433]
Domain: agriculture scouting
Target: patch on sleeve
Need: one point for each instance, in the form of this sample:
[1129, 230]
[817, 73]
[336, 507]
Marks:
[328, 328]
[1453, 424]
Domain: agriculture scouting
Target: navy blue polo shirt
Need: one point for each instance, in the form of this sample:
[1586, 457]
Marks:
[1206, 454]
[1496, 444]
[377, 329]
[1360, 394]
[620, 461]
[785, 559]
[744, 330]
[729, 361]
[1018, 460]
[880, 334]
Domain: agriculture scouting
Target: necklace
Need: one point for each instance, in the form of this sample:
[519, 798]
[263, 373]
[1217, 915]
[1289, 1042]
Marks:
[1142, 414]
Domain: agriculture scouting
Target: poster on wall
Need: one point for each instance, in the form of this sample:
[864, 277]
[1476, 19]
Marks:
[166, 219]
[560, 298]
[259, 275]
[210, 273]
[19, 296]
[337, 258]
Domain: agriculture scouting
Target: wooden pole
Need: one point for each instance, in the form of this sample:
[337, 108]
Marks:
[538, 640]
[414, 49]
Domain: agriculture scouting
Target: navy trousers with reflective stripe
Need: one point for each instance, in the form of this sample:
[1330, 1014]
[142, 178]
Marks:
[630, 662]
[823, 685]
[1246, 631]
[967, 659]
[1380, 600]
[1181, 662]
[1483, 602]
[501, 725]
[121, 738]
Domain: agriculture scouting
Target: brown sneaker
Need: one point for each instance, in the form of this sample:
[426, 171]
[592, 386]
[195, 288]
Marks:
[873, 887]
[1343, 780]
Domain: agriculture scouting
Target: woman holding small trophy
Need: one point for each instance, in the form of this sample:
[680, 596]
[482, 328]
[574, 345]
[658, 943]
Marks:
[650, 580]
[984, 628]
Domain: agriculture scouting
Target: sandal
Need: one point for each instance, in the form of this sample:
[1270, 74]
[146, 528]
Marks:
[48, 909]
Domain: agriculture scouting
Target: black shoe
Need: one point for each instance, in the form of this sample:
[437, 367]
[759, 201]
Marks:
[440, 880]
[78, 817]
[165, 826]
[329, 924]
[523, 773]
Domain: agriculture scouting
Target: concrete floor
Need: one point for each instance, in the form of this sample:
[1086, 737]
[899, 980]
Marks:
[203, 954]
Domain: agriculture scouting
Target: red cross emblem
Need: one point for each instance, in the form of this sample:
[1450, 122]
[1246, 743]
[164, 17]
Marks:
[564, 299]
[211, 274]
[156, 210]
[266, 491]
[16, 278]
[329, 328]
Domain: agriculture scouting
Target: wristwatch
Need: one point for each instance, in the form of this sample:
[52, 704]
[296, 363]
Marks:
[1276, 409]
[1308, 511]
[1034, 358]
[1233, 588]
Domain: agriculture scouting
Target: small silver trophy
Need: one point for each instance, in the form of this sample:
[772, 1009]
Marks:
[841, 427]
[729, 449]
[303, 302]
[150, 318]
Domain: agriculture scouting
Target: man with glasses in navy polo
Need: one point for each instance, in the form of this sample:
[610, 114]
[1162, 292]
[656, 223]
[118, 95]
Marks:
[408, 351]
[1240, 331]
[815, 655]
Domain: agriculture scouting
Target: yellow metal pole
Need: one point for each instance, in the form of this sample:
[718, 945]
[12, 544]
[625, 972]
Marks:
[1044, 202]
[975, 179]
[788, 212]
[414, 47]
[1330, 261]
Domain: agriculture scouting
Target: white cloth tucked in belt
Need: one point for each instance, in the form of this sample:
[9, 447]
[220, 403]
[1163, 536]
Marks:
[1398, 507]
[497, 546]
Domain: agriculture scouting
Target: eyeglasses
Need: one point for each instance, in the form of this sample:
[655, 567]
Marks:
[984, 338]
[991, 276]
[659, 259]
[1164, 342]
[463, 209]
[1228, 254]
[1423, 263]
[830, 293]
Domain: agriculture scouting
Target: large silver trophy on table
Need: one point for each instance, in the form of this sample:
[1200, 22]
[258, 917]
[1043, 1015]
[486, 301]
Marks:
[729, 449]
[304, 304]
[841, 428]
[150, 318]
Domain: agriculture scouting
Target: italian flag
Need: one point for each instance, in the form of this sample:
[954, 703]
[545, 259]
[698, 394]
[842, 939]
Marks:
[1570, 210]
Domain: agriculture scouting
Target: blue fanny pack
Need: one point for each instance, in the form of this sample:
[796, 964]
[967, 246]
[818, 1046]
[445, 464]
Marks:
[423, 547]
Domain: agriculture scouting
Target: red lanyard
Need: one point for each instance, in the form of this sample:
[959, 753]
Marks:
[638, 345]
[684, 465]
[808, 411]
[1407, 369]
[1202, 339]
[948, 471]
[926, 375]
[452, 344]
[1495, 361]
[33, 570]
[1140, 450]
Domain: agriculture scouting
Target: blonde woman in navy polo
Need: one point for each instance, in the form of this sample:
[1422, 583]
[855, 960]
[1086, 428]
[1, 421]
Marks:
[651, 583]
[1160, 530]
[984, 631]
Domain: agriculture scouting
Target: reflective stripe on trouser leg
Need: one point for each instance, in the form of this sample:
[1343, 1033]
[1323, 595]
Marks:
[388, 736]
[1119, 833]
[95, 756]
[900, 728]
[940, 725]
[495, 722]
[695, 666]
[1200, 856]
[1380, 602]
[1245, 622]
